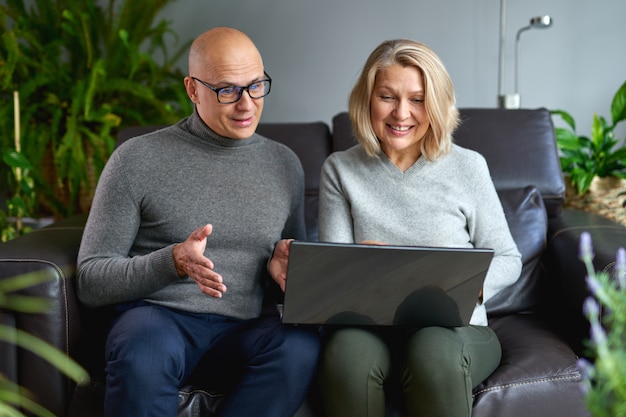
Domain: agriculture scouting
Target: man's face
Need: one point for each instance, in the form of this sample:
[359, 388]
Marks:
[237, 120]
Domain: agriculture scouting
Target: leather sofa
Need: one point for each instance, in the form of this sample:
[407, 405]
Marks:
[539, 319]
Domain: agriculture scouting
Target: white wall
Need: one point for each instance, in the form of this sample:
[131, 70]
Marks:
[314, 49]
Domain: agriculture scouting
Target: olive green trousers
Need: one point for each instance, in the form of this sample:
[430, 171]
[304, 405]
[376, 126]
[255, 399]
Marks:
[434, 367]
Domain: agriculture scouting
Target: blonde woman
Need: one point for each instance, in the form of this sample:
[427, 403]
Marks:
[407, 183]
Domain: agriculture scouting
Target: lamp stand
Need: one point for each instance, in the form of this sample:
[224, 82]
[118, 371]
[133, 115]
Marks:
[509, 101]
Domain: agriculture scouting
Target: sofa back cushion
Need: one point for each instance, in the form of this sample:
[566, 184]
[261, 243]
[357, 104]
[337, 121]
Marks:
[520, 149]
[528, 222]
[311, 141]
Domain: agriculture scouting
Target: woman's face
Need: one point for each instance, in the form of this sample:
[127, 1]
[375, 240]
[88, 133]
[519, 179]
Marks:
[398, 113]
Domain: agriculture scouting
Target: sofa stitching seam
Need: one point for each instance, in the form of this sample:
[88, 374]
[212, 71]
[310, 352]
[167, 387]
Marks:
[516, 384]
[573, 228]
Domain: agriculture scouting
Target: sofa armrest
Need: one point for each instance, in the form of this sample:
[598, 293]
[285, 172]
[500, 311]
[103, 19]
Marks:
[51, 251]
[567, 273]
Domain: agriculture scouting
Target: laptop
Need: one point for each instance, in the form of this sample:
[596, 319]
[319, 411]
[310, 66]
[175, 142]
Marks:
[363, 285]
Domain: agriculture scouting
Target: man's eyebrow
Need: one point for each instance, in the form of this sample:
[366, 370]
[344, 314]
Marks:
[227, 83]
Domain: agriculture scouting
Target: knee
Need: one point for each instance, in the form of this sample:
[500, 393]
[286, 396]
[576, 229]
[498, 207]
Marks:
[434, 349]
[302, 347]
[144, 352]
[356, 352]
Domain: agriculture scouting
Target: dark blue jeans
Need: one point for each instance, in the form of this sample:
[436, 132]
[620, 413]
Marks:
[263, 366]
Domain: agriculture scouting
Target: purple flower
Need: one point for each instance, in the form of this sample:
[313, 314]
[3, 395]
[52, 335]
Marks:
[586, 248]
[585, 367]
[586, 371]
[620, 267]
[591, 308]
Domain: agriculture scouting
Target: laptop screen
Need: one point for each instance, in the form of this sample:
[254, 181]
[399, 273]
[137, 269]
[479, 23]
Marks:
[353, 284]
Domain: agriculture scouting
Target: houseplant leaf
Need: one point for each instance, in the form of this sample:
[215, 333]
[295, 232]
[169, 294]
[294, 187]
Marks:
[601, 154]
[618, 106]
[599, 132]
[567, 139]
[44, 350]
[12, 395]
[16, 159]
[61, 55]
[567, 118]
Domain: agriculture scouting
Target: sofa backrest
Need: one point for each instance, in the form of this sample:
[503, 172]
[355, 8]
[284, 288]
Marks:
[519, 146]
[312, 143]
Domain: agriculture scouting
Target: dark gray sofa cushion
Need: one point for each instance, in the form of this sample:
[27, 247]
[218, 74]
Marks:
[528, 222]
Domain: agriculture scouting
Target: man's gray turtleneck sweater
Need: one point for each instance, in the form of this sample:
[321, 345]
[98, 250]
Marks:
[156, 189]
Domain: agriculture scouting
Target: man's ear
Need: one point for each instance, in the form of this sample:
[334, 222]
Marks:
[190, 87]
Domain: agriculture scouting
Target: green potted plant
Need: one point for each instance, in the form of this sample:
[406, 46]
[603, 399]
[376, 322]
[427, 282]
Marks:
[601, 155]
[83, 70]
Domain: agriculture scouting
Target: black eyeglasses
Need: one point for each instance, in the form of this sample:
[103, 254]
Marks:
[232, 93]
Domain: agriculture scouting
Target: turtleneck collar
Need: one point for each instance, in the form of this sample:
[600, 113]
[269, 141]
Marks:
[196, 126]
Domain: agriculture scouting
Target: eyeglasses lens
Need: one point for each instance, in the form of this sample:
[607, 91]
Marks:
[256, 90]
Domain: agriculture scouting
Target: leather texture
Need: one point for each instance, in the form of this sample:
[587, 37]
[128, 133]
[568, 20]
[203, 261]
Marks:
[566, 271]
[523, 207]
[539, 319]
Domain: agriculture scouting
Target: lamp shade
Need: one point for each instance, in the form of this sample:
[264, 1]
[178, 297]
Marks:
[541, 22]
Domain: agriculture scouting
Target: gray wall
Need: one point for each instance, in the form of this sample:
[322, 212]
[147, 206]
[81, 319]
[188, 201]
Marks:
[314, 49]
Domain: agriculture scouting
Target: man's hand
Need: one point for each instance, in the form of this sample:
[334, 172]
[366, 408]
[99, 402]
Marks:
[189, 260]
[277, 266]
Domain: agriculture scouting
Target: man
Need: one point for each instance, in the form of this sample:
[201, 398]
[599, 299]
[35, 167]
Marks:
[182, 226]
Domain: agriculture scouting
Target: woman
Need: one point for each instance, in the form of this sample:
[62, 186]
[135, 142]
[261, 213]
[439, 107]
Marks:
[406, 183]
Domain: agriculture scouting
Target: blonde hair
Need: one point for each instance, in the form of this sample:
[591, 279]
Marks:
[439, 99]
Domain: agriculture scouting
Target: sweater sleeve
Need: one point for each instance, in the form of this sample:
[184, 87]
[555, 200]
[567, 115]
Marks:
[335, 223]
[488, 228]
[107, 273]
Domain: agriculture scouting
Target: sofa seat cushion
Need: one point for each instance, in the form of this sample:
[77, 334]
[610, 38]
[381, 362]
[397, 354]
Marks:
[193, 402]
[537, 367]
[88, 400]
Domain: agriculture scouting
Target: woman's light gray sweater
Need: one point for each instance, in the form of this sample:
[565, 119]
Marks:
[450, 202]
[156, 189]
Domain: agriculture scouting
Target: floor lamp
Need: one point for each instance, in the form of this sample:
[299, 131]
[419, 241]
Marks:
[513, 101]
[540, 22]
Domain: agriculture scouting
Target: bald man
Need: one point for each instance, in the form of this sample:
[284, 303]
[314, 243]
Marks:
[178, 239]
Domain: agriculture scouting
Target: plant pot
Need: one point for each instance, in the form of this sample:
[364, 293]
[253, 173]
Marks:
[600, 185]
[571, 193]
